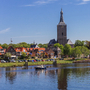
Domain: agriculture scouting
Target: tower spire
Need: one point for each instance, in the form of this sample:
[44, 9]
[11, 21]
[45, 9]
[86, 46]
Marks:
[61, 17]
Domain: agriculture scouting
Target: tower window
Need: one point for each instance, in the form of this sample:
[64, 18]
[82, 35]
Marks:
[62, 34]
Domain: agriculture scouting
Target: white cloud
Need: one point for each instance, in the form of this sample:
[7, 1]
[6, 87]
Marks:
[4, 31]
[41, 2]
[84, 2]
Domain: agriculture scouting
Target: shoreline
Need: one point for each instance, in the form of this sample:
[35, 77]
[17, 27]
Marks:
[20, 64]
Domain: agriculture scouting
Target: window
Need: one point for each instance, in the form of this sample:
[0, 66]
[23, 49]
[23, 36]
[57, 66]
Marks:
[62, 34]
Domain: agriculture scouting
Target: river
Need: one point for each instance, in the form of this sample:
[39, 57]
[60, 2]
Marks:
[60, 77]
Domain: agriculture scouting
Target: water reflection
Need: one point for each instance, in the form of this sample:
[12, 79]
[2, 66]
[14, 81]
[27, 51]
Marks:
[11, 74]
[60, 77]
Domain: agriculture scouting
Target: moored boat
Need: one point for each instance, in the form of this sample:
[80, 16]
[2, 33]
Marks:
[40, 67]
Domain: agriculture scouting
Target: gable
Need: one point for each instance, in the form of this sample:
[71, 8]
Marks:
[69, 41]
[10, 49]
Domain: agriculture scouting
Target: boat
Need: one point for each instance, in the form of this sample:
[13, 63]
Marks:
[40, 67]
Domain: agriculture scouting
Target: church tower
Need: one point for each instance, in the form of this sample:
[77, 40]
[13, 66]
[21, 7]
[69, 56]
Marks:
[62, 31]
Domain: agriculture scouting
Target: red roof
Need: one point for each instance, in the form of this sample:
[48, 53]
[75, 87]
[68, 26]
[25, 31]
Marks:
[20, 49]
[0, 54]
[36, 48]
[1, 47]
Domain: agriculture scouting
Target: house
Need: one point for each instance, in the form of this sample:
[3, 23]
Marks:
[2, 51]
[49, 53]
[70, 43]
[35, 52]
[12, 51]
[34, 46]
[19, 51]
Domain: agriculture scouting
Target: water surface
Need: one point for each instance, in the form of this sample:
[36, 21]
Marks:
[60, 77]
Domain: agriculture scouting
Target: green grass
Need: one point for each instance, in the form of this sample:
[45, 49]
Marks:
[66, 61]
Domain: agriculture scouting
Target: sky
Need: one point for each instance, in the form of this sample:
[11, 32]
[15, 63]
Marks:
[36, 20]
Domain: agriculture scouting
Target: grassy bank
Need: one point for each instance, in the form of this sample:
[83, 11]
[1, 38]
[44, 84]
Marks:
[66, 61]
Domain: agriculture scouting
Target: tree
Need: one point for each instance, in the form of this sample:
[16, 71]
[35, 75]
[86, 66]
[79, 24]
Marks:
[60, 46]
[87, 44]
[67, 49]
[62, 49]
[8, 55]
[0, 44]
[5, 46]
[75, 52]
[79, 43]
[40, 45]
[23, 55]
[45, 45]
[85, 51]
[56, 45]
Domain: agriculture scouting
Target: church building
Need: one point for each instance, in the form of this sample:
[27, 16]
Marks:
[61, 33]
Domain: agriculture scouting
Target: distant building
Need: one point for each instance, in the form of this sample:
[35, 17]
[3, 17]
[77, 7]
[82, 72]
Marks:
[52, 42]
[62, 31]
[49, 53]
[61, 36]
[2, 51]
[19, 51]
[12, 51]
[34, 46]
[70, 43]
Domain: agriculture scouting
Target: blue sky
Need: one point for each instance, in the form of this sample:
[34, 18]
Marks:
[36, 20]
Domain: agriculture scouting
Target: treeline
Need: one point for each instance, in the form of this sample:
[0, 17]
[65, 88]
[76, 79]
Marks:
[22, 44]
[81, 49]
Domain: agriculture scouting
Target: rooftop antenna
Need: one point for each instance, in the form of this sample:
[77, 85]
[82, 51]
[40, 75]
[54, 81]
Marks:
[11, 41]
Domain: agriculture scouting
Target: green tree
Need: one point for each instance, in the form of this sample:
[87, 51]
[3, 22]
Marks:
[67, 49]
[87, 44]
[79, 43]
[45, 45]
[40, 45]
[5, 45]
[56, 45]
[8, 55]
[75, 52]
[85, 51]
[60, 46]
[23, 55]
[62, 49]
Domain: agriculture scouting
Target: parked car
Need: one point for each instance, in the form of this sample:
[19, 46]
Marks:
[3, 61]
[22, 60]
[48, 60]
[61, 58]
[7, 61]
[51, 59]
[42, 60]
[19, 61]
[29, 60]
[25, 60]
[12, 61]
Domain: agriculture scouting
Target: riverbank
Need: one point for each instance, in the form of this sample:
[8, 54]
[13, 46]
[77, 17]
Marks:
[66, 61]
